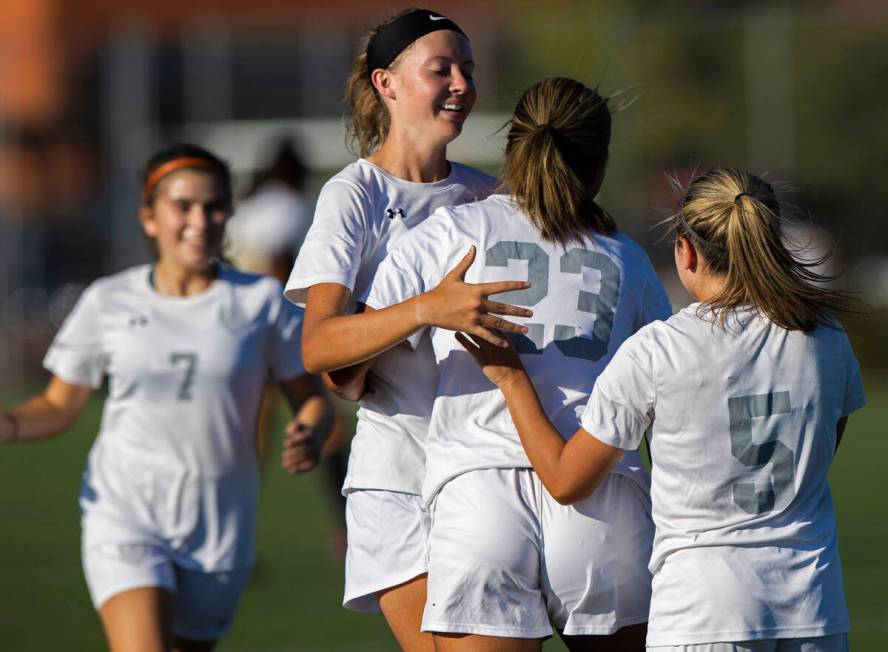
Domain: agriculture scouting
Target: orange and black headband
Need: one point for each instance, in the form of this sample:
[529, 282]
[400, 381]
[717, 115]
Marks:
[172, 166]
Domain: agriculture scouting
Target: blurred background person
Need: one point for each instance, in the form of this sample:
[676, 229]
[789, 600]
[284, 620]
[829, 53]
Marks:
[270, 223]
[263, 237]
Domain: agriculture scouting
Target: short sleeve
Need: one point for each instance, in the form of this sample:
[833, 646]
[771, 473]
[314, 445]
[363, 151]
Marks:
[416, 264]
[854, 395]
[77, 355]
[286, 346]
[333, 248]
[621, 406]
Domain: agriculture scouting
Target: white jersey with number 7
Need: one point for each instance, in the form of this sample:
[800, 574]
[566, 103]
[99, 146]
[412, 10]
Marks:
[175, 457]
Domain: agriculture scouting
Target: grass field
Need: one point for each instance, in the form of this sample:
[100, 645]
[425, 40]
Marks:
[294, 601]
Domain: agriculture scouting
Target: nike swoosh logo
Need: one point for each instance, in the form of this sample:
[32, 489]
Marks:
[437, 17]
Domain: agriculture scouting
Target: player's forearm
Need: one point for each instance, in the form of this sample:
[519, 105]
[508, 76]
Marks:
[349, 383]
[543, 444]
[336, 342]
[34, 420]
[317, 413]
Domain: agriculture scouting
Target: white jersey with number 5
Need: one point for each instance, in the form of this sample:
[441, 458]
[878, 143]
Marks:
[361, 212]
[743, 435]
[175, 457]
[587, 298]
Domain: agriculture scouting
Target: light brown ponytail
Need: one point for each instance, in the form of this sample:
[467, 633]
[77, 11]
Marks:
[367, 119]
[556, 152]
[734, 220]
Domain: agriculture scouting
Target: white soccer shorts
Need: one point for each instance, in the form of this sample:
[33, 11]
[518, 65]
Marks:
[505, 559]
[119, 560]
[836, 643]
[387, 544]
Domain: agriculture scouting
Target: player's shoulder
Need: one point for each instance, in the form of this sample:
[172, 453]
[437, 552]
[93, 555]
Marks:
[624, 247]
[356, 180]
[663, 333]
[131, 280]
[473, 178]
[469, 220]
[241, 282]
[480, 209]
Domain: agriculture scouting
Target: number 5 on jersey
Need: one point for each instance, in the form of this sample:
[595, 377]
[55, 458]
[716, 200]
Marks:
[743, 411]
[602, 305]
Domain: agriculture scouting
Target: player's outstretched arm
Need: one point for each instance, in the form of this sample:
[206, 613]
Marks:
[46, 415]
[569, 470]
[306, 433]
[332, 340]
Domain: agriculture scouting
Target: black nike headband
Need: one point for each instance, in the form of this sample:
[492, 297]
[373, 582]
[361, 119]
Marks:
[392, 40]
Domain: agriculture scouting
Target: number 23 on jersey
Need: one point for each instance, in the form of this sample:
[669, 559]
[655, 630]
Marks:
[602, 305]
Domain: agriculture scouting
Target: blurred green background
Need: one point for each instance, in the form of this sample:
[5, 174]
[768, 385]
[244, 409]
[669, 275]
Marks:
[794, 90]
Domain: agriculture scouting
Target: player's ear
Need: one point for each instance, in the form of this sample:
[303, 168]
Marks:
[686, 254]
[382, 82]
[146, 217]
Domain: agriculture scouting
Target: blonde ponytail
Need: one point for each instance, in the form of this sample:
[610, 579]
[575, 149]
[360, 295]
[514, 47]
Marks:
[734, 219]
[556, 153]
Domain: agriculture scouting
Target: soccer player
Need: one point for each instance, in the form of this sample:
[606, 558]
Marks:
[169, 494]
[747, 393]
[409, 93]
[506, 561]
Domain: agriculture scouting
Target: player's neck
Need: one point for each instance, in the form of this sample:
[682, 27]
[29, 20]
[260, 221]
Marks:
[411, 161]
[708, 286]
[173, 281]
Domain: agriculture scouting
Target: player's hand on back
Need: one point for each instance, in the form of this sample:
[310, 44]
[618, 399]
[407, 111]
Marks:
[499, 364]
[302, 448]
[460, 306]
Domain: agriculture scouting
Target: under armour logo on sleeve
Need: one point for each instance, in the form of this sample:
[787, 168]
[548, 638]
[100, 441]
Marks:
[393, 213]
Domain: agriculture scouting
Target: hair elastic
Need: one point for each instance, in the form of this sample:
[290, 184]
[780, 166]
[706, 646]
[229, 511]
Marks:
[742, 194]
[391, 40]
[691, 232]
[172, 166]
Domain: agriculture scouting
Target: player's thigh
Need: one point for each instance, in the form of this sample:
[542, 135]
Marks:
[477, 643]
[484, 557]
[137, 620]
[595, 557]
[130, 578]
[204, 605]
[387, 545]
[402, 607]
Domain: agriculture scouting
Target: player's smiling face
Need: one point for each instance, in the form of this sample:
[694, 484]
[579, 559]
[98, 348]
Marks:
[433, 86]
[187, 220]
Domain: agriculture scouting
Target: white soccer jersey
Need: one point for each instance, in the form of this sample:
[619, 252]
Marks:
[360, 213]
[744, 431]
[175, 456]
[586, 298]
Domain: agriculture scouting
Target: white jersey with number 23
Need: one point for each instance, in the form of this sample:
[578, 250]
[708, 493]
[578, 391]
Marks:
[587, 298]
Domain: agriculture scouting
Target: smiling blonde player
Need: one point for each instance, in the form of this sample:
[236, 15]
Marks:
[169, 494]
[410, 91]
[746, 393]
